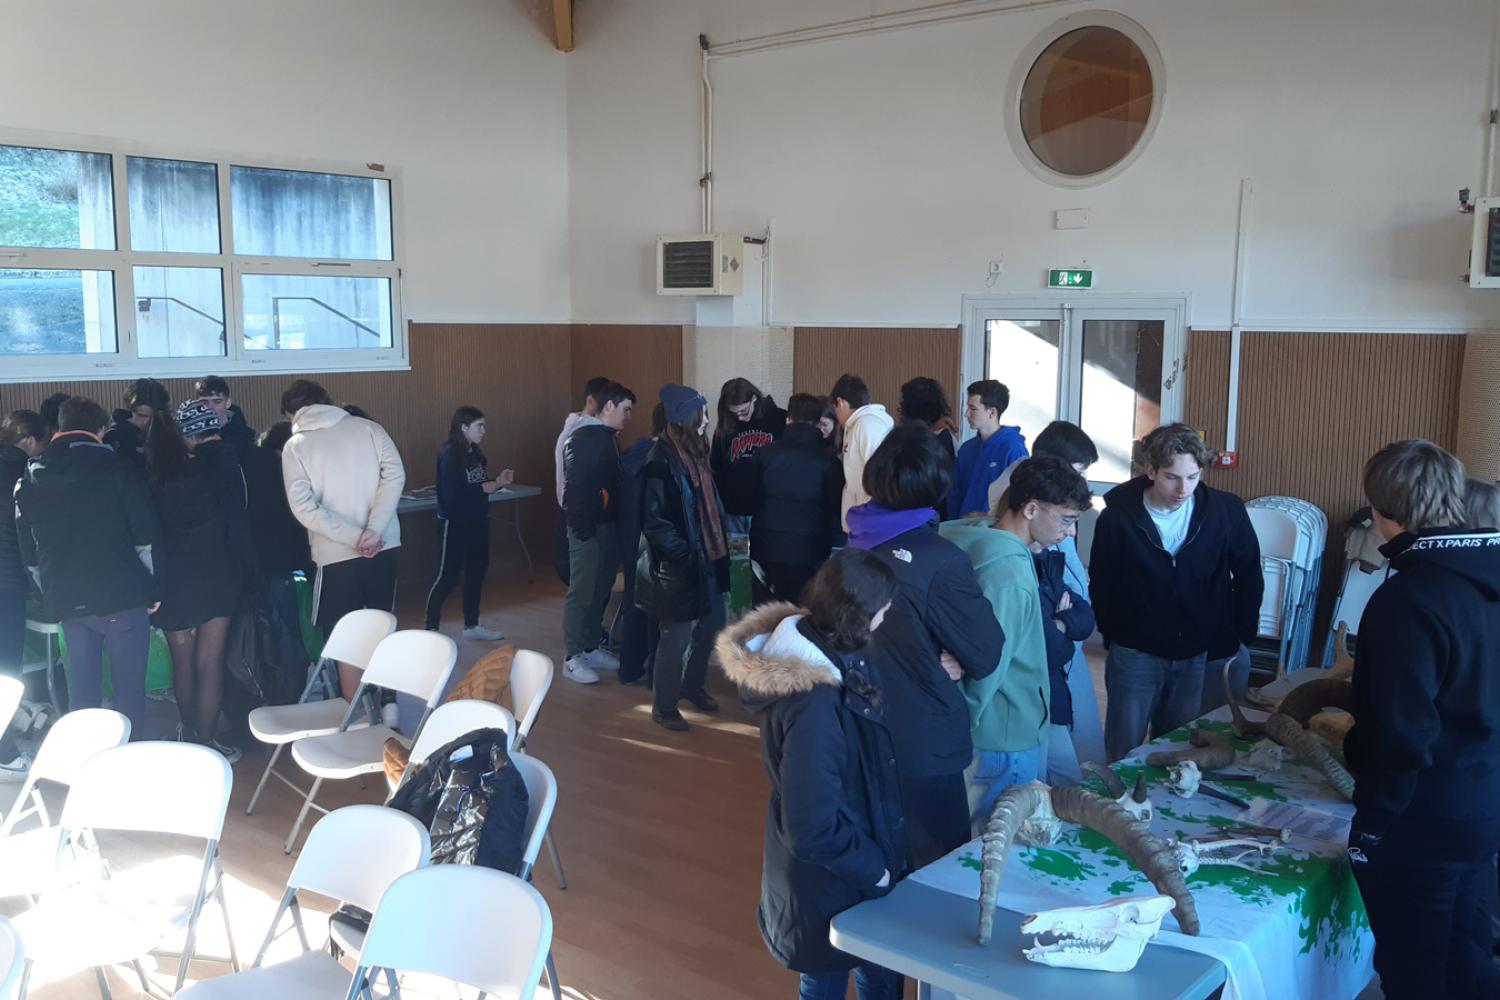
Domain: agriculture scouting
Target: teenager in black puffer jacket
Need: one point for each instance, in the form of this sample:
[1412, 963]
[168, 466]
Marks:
[796, 505]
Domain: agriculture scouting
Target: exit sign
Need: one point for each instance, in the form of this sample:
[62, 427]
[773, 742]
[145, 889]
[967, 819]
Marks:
[1070, 278]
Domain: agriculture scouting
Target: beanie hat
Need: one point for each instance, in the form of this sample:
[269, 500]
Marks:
[195, 418]
[681, 402]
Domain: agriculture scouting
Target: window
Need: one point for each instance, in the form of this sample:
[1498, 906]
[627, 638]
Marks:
[1087, 96]
[115, 261]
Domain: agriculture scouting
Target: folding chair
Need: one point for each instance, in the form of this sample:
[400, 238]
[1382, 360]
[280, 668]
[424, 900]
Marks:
[353, 641]
[414, 662]
[453, 719]
[541, 801]
[463, 946]
[178, 789]
[51, 633]
[12, 961]
[352, 855]
[531, 675]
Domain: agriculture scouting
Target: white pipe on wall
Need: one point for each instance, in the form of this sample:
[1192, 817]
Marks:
[1237, 314]
[1491, 112]
[706, 178]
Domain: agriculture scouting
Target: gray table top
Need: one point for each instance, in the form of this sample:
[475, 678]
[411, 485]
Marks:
[515, 491]
[930, 935]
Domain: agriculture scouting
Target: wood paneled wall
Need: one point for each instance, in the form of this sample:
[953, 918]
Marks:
[1314, 406]
[642, 358]
[518, 375]
[885, 358]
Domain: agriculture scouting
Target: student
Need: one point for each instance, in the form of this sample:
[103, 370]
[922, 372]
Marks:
[49, 411]
[1426, 738]
[796, 495]
[343, 480]
[683, 566]
[590, 408]
[940, 629]
[864, 425]
[828, 423]
[464, 487]
[234, 431]
[145, 398]
[280, 541]
[1009, 707]
[923, 399]
[1482, 504]
[1175, 581]
[984, 457]
[834, 832]
[1067, 620]
[639, 631]
[591, 467]
[748, 420]
[204, 557]
[87, 527]
[22, 438]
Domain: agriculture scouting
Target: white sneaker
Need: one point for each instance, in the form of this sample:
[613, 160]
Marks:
[576, 669]
[15, 770]
[602, 659]
[224, 750]
[390, 715]
[483, 632]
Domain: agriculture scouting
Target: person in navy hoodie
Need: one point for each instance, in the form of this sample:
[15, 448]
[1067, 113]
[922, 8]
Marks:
[463, 493]
[982, 458]
[940, 629]
[1067, 619]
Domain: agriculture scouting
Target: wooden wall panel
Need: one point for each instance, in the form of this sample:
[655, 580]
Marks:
[517, 374]
[1314, 407]
[885, 358]
[642, 358]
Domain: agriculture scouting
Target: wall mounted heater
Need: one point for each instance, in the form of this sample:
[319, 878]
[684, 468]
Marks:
[707, 264]
[1484, 258]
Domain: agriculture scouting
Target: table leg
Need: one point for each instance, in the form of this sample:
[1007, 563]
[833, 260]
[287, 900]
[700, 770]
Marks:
[515, 515]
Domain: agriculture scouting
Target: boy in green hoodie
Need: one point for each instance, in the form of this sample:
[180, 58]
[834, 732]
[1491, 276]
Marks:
[1008, 709]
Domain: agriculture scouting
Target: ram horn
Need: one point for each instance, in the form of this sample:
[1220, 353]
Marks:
[1112, 782]
[1209, 750]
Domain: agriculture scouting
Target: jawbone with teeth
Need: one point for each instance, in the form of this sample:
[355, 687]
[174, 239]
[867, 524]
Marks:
[1109, 937]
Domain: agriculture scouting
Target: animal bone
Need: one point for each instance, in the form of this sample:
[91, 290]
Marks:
[1108, 937]
[1290, 734]
[1267, 755]
[1137, 802]
[1020, 803]
[1287, 725]
[1210, 749]
[1191, 854]
[1183, 779]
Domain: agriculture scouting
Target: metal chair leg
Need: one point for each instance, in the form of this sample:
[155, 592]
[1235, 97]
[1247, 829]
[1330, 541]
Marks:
[562, 880]
[103, 983]
[265, 776]
[552, 977]
[234, 955]
[140, 972]
[301, 816]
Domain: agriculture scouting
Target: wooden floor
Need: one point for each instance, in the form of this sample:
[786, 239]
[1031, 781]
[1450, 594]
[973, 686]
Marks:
[660, 835]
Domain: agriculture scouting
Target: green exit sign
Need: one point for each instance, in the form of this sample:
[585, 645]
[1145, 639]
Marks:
[1070, 278]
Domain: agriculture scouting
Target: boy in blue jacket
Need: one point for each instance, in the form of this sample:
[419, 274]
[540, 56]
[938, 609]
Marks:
[983, 458]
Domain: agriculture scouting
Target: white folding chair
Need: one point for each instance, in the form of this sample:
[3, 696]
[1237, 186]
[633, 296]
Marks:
[352, 641]
[178, 789]
[415, 662]
[352, 855]
[531, 676]
[28, 859]
[453, 719]
[464, 945]
[51, 633]
[541, 801]
[12, 961]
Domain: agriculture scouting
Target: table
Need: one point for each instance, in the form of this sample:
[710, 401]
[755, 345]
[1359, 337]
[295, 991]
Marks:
[929, 935]
[415, 501]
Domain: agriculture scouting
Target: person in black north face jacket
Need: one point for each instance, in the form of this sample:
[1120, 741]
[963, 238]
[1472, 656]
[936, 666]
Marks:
[1425, 746]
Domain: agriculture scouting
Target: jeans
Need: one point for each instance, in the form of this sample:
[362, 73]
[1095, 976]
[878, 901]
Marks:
[871, 982]
[1088, 727]
[1213, 681]
[992, 772]
[1148, 694]
[591, 576]
[682, 655]
[127, 638]
[1060, 761]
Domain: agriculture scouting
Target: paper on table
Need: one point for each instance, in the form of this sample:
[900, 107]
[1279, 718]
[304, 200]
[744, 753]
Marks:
[1313, 824]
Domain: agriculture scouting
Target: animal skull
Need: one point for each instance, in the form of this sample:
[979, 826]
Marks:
[1184, 778]
[1042, 827]
[1108, 937]
[1266, 755]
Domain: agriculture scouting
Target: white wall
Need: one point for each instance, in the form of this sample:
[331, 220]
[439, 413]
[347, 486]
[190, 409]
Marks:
[466, 97]
[885, 163]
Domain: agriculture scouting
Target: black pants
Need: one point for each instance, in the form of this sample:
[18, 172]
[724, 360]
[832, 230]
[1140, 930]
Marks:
[936, 810]
[782, 581]
[1431, 916]
[466, 551]
[352, 584]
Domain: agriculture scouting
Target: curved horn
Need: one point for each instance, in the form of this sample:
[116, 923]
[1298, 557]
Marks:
[1148, 853]
[1209, 750]
[1112, 782]
[1289, 733]
[1242, 725]
[1015, 805]
[1307, 700]
[1140, 794]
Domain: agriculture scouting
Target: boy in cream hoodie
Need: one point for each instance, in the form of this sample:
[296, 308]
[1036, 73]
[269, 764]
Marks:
[865, 425]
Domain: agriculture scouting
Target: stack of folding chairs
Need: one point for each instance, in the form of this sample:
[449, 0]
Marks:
[1292, 534]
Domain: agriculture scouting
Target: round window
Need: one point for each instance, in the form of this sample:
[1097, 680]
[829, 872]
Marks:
[1087, 101]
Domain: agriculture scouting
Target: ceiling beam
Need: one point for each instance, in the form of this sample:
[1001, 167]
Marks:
[562, 16]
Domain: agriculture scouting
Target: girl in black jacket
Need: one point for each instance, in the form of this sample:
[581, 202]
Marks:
[682, 565]
[22, 438]
[204, 559]
[749, 420]
[833, 829]
[463, 495]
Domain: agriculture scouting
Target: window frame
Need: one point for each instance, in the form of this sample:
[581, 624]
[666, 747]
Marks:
[122, 261]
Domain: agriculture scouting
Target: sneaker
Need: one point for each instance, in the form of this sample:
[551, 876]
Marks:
[15, 770]
[672, 720]
[483, 632]
[390, 715]
[181, 733]
[224, 750]
[602, 659]
[577, 670]
[702, 701]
